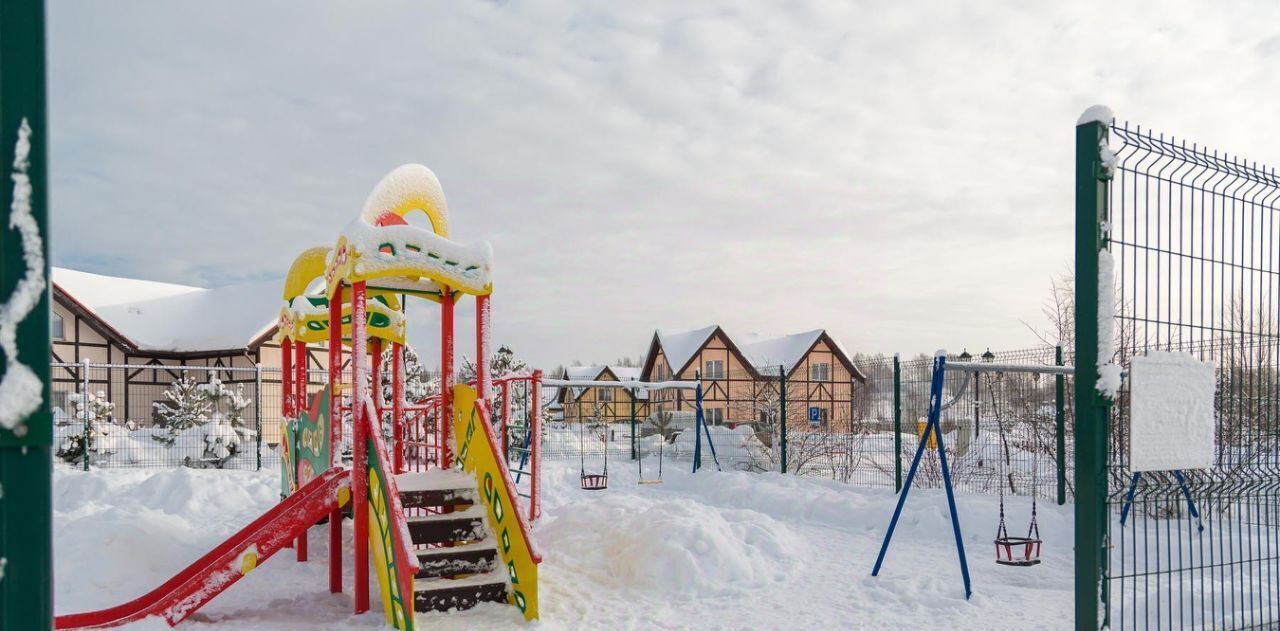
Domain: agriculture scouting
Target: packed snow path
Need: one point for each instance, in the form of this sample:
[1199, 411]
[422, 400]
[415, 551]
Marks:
[712, 551]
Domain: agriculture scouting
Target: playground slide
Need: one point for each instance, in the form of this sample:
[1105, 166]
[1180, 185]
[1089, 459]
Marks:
[181, 595]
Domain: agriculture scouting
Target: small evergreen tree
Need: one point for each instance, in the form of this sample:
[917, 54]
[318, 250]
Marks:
[185, 405]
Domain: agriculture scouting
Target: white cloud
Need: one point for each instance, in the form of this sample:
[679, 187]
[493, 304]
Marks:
[899, 174]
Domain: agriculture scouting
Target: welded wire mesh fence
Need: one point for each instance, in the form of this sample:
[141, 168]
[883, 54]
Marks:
[156, 416]
[1195, 240]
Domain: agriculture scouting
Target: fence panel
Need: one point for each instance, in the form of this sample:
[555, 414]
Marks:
[160, 416]
[1192, 238]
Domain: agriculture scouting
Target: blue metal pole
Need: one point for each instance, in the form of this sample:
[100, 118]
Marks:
[933, 425]
[697, 426]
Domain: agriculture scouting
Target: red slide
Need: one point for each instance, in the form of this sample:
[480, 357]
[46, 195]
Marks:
[181, 595]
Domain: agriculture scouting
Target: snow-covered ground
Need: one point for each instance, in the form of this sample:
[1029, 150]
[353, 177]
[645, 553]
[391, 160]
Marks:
[714, 550]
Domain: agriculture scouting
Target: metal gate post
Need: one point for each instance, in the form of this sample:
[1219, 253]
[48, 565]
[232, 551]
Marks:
[782, 402]
[26, 425]
[1091, 596]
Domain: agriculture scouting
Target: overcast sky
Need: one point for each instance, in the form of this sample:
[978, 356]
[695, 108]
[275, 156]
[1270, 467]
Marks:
[897, 173]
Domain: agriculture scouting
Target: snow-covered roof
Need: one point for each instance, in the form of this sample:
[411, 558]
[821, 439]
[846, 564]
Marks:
[593, 373]
[175, 318]
[767, 353]
[680, 345]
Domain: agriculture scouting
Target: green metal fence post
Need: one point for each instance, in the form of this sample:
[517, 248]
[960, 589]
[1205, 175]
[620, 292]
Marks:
[634, 455]
[1091, 596]
[782, 398]
[26, 428]
[1060, 426]
[897, 424]
[257, 406]
[84, 409]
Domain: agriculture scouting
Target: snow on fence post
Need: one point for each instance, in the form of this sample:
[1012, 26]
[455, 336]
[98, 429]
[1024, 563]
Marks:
[84, 409]
[257, 407]
[1092, 409]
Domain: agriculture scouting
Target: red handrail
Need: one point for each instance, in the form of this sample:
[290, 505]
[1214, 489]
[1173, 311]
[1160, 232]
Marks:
[404, 551]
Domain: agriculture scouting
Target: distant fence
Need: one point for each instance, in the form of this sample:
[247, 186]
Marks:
[1006, 430]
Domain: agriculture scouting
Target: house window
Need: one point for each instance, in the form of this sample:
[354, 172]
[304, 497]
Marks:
[714, 416]
[819, 372]
[604, 394]
[715, 369]
[55, 327]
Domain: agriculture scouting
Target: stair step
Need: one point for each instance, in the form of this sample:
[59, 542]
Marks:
[436, 488]
[464, 593]
[437, 498]
[473, 558]
[465, 525]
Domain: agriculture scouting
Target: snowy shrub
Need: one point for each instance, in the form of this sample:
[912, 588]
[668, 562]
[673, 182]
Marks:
[90, 427]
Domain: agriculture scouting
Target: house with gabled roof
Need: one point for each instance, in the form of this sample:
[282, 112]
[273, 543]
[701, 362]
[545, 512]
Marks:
[596, 404]
[742, 375]
[149, 330]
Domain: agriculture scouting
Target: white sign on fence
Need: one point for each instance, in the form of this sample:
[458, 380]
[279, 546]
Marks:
[1171, 420]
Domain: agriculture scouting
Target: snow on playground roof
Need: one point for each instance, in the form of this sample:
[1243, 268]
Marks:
[680, 346]
[176, 318]
[767, 353]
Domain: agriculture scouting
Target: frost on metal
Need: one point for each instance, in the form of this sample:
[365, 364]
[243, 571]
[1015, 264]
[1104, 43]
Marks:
[21, 390]
[1109, 372]
[1171, 412]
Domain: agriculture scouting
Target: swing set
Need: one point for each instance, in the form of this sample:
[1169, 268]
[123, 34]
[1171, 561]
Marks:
[1010, 551]
[594, 481]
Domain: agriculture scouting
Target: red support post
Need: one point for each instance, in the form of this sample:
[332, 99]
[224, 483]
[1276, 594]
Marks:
[505, 386]
[299, 394]
[446, 376]
[335, 376]
[484, 380]
[397, 407]
[375, 372]
[286, 379]
[301, 376]
[360, 424]
[535, 449]
[335, 428]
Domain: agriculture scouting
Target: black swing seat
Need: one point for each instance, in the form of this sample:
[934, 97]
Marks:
[594, 482]
[1017, 551]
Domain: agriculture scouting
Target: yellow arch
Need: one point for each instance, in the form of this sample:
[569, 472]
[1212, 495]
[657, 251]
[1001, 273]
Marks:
[408, 188]
[307, 267]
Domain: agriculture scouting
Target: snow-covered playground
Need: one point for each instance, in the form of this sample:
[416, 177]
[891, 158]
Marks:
[729, 550]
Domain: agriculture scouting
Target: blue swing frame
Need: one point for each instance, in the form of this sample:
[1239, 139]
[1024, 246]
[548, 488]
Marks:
[932, 427]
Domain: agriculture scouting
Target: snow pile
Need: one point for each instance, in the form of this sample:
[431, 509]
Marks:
[716, 550]
[736, 445]
[676, 548]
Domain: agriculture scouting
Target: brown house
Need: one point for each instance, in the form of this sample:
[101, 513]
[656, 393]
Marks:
[741, 376]
[135, 334]
[601, 404]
